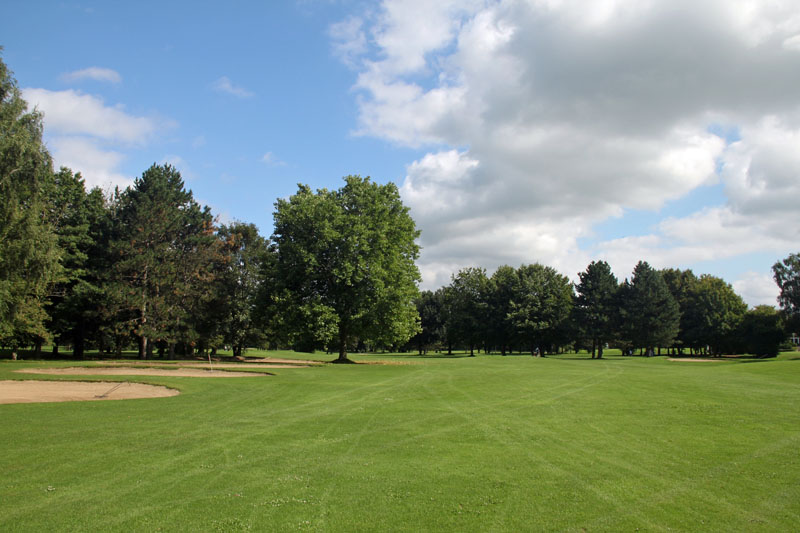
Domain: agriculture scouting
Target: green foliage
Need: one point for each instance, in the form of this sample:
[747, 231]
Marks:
[29, 253]
[596, 305]
[711, 315]
[504, 288]
[787, 276]
[164, 254]
[649, 315]
[240, 286]
[468, 305]
[542, 307]
[762, 332]
[433, 320]
[346, 265]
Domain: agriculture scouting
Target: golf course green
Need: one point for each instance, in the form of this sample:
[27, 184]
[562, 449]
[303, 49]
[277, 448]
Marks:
[485, 443]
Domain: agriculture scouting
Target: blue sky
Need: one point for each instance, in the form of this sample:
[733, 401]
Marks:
[551, 131]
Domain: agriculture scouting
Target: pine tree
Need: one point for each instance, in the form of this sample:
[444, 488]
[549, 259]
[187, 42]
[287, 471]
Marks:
[649, 314]
[163, 253]
[596, 305]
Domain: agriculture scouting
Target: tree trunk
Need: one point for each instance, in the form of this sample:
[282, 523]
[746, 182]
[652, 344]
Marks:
[142, 347]
[342, 346]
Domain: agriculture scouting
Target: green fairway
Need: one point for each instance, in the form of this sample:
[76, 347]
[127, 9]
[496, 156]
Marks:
[488, 443]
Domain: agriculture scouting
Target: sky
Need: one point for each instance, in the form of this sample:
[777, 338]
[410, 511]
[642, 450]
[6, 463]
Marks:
[550, 131]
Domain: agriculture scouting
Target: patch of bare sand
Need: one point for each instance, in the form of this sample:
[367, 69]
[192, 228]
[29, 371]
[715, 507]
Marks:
[248, 363]
[131, 371]
[694, 359]
[31, 391]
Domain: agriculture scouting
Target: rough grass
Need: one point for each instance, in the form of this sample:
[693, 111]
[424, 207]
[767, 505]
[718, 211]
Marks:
[487, 443]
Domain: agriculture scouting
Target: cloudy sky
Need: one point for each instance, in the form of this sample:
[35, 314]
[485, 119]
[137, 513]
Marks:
[549, 131]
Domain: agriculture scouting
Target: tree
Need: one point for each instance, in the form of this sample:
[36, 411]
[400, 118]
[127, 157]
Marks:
[76, 218]
[541, 307]
[468, 306]
[239, 285]
[164, 254]
[29, 255]
[761, 331]
[430, 306]
[596, 305]
[787, 276]
[503, 288]
[649, 315]
[346, 262]
[712, 314]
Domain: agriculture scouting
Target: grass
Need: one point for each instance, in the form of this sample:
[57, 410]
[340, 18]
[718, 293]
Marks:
[487, 443]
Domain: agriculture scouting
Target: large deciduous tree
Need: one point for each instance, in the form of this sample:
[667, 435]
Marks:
[711, 314]
[346, 260]
[761, 331]
[541, 307]
[29, 255]
[596, 305]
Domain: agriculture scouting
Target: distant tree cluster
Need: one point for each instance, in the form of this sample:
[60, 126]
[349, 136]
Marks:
[537, 310]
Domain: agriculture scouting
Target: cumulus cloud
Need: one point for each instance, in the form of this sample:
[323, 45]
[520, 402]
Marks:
[542, 119]
[93, 73]
[757, 289]
[75, 113]
[89, 136]
[225, 85]
[98, 166]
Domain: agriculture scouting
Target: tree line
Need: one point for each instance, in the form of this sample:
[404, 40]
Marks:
[148, 267]
[537, 310]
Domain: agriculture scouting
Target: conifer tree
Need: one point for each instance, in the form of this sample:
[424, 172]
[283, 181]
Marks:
[596, 305]
[650, 316]
[163, 254]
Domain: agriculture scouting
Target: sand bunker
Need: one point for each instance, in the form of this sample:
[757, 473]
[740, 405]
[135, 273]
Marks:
[30, 391]
[130, 371]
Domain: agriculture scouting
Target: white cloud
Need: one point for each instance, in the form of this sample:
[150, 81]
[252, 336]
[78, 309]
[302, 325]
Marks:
[89, 136]
[93, 73]
[75, 113]
[544, 118]
[349, 40]
[225, 85]
[99, 167]
[757, 289]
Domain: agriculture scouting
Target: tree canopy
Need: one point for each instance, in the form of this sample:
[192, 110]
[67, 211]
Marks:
[787, 276]
[346, 261]
[29, 253]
